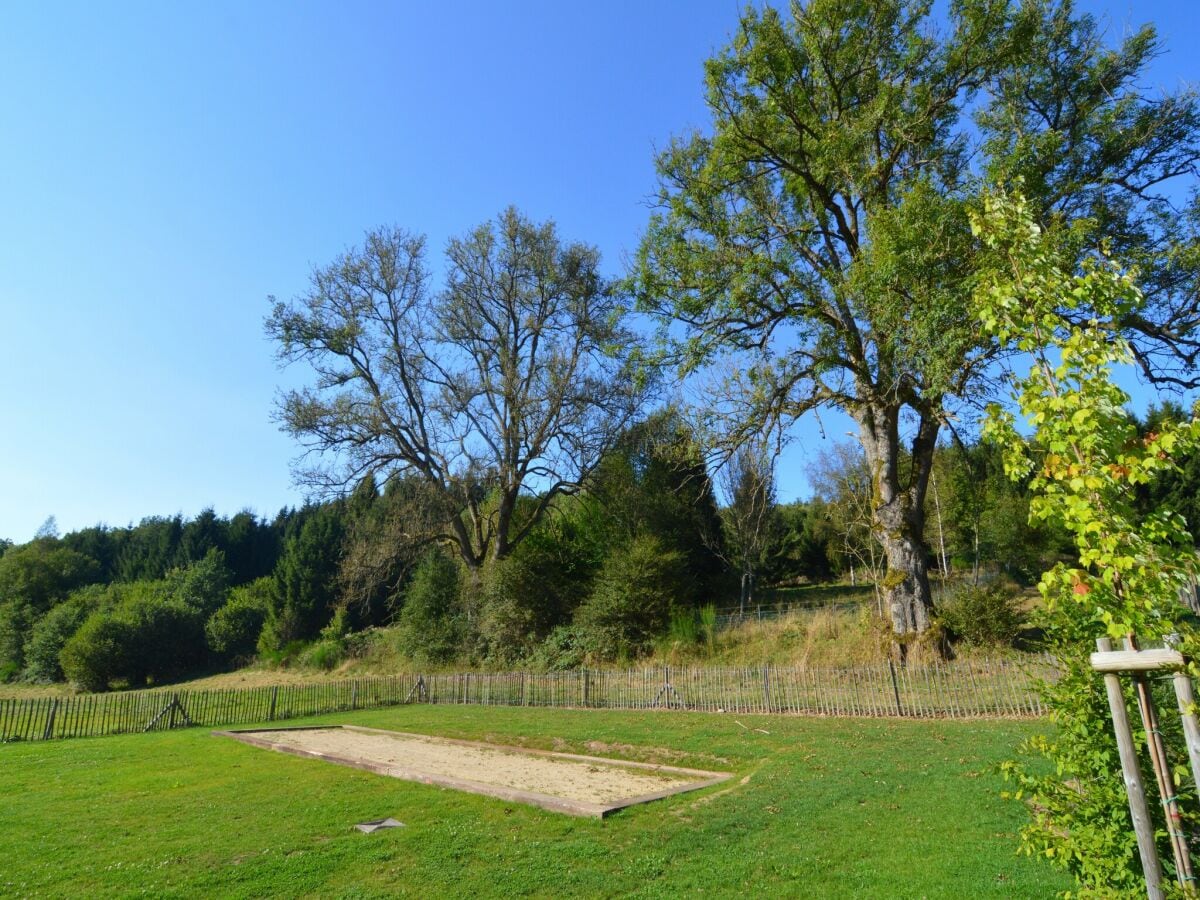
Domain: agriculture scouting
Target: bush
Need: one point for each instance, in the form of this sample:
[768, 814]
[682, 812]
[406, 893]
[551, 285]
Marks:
[535, 589]
[324, 654]
[430, 627]
[563, 649]
[16, 617]
[986, 615]
[147, 637]
[632, 599]
[233, 630]
[96, 654]
[202, 586]
[53, 630]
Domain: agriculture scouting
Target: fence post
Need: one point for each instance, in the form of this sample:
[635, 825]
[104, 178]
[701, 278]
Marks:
[354, 694]
[274, 697]
[895, 687]
[46, 735]
[767, 684]
[1142, 826]
[174, 706]
[587, 683]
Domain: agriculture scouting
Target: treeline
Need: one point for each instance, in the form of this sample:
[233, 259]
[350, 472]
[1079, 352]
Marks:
[652, 537]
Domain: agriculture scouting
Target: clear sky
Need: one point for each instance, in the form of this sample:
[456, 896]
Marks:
[164, 167]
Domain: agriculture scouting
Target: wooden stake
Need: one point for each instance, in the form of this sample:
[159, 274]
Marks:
[1142, 826]
[1162, 774]
[1185, 695]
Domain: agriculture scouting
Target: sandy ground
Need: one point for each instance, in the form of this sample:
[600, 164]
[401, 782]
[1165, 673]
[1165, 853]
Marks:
[578, 780]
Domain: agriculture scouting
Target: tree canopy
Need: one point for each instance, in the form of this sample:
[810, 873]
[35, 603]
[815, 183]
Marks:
[514, 378]
[820, 228]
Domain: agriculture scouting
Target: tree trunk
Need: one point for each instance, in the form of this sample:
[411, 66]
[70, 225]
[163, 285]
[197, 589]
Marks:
[898, 506]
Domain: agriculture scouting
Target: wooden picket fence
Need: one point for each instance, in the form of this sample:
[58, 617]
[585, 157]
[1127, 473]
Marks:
[960, 689]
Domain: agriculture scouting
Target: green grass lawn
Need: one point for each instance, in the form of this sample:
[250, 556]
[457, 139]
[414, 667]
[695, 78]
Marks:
[819, 808]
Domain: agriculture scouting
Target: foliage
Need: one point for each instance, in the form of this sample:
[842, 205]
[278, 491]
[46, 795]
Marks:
[40, 572]
[51, 633]
[303, 598]
[983, 615]
[631, 601]
[519, 371]
[16, 617]
[97, 653]
[232, 631]
[815, 238]
[655, 482]
[750, 515]
[202, 586]
[1085, 466]
[430, 627]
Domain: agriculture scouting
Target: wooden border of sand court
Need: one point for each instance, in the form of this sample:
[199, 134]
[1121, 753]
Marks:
[702, 778]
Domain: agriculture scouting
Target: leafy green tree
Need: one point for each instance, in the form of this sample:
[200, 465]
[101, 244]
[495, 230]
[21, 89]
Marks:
[233, 630]
[632, 599]
[750, 516]
[51, 632]
[516, 377]
[40, 572]
[539, 585]
[151, 550]
[655, 482]
[819, 233]
[16, 618]
[1085, 466]
[305, 579]
[96, 654]
[431, 626]
[202, 586]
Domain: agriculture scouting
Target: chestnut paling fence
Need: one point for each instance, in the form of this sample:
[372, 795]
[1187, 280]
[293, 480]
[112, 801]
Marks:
[959, 689]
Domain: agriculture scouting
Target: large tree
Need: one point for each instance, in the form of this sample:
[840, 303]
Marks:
[819, 229]
[513, 379]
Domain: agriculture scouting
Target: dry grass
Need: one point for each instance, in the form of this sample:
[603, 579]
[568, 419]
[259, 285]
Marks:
[805, 638]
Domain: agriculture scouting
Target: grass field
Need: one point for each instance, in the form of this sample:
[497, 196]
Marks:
[819, 808]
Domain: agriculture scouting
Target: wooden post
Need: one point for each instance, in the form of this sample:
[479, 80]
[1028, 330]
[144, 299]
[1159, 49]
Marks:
[587, 684]
[1162, 774]
[354, 694]
[895, 686]
[1142, 826]
[1185, 695]
[767, 684]
[49, 732]
[274, 697]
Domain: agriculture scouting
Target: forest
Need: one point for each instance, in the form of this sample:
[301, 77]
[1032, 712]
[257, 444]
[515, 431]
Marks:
[650, 538]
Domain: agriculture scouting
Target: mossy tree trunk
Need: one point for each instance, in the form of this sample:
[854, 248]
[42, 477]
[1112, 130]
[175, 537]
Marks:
[899, 484]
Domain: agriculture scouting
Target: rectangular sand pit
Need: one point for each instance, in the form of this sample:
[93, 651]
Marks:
[562, 782]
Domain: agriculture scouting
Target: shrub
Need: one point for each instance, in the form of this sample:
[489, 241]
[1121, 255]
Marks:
[146, 637]
[683, 629]
[202, 586]
[53, 630]
[325, 654]
[430, 627]
[95, 655]
[632, 599]
[986, 615]
[535, 589]
[16, 617]
[233, 630]
[564, 648]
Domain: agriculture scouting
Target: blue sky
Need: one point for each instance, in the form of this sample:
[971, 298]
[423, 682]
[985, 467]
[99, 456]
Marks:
[165, 167]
